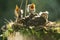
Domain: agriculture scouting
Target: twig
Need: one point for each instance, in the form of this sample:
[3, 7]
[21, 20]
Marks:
[21, 4]
[26, 6]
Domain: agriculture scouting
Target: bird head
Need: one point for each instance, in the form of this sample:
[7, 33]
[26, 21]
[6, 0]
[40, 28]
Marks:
[31, 7]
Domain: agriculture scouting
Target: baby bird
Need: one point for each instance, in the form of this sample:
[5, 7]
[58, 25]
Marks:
[18, 12]
[31, 8]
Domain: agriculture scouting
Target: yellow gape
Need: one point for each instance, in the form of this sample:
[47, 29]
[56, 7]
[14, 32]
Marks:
[17, 11]
[32, 6]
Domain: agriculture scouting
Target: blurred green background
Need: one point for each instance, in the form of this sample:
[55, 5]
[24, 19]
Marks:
[7, 8]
